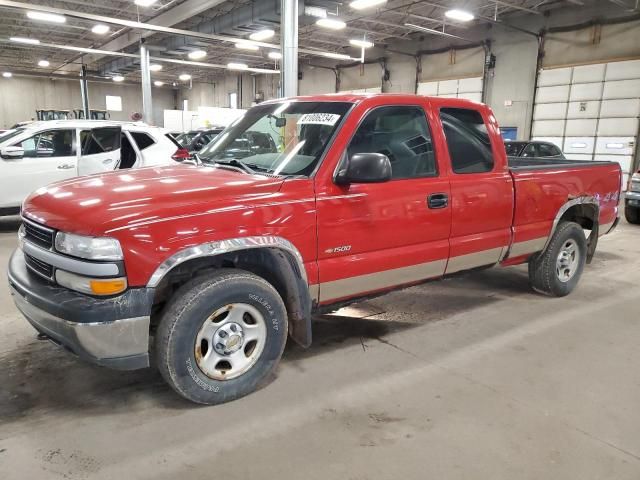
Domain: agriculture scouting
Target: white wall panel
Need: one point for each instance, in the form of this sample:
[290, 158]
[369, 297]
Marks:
[621, 108]
[555, 76]
[585, 91]
[555, 94]
[586, 109]
[581, 145]
[474, 96]
[624, 161]
[428, 88]
[618, 127]
[621, 89]
[588, 73]
[581, 127]
[550, 111]
[547, 128]
[615, 145]
[448, 87]
[470, 85]
[623, 70]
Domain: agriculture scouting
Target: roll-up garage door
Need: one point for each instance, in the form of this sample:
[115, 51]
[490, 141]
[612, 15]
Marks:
[363, 90]
[469, 88]
[592, 111]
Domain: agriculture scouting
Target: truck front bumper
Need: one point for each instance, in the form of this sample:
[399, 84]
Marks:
[632, 198]
[112, 332]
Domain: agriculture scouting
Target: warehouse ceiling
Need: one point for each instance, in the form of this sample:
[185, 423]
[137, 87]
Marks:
[395, 22]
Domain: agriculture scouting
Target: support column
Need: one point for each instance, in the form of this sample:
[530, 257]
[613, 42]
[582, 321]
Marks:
[147, 108]
[84, 91]
[289, 46]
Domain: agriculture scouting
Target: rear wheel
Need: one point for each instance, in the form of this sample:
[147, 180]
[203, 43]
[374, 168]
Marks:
[221, 336]
[632, 214]
[556, 271]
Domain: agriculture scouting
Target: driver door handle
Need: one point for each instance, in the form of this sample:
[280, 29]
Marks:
[437, 200]
[66, 166]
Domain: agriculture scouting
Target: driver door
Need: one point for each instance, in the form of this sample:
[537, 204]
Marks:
[377, 236]
[101, 150]
[49, 156]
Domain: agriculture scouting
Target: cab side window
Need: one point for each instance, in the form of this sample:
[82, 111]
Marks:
[52, 143]
[548, 150]
[531, 151]
[402, 134]
[467, 140]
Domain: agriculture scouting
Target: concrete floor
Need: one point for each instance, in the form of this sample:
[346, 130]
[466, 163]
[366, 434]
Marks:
[471, 378]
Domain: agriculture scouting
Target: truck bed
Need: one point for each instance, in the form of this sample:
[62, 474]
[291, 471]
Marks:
[542, 163]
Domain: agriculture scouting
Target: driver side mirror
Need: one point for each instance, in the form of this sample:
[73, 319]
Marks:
[365, 168]
[12, 153]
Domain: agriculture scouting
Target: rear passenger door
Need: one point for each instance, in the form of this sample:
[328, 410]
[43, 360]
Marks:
[100, 150]
[481, 192]
[377, 236]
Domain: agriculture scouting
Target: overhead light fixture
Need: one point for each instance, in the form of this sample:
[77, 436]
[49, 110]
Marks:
[158, 83]
[185, 77]
[262, 35]
[197, 54]
[7, 74]
[237, 66]
[155, 67]
[30, 41]
[118, 78]
[361, 43]
[46, 17]
[100, 29]
[331, 23]
[145, 3]
[339, 56]
[275, 55]
[43, 63]
[247, 46]
[362, 4]
[459, 15]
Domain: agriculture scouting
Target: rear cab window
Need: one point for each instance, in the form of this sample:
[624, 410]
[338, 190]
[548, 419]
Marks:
[467, 140]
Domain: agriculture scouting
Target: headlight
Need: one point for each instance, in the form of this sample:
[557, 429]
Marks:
[91, 248]
[92, 286]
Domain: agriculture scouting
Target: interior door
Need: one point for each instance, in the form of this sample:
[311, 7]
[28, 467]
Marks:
[373, 237]
[481, 192]
[49, 156]
[100, 150]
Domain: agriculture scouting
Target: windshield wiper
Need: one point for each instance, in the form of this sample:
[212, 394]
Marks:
[234, 162]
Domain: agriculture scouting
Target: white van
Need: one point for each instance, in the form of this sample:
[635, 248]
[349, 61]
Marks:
[36, 154]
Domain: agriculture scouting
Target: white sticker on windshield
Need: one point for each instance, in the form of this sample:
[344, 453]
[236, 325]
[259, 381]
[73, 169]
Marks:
[318, 119]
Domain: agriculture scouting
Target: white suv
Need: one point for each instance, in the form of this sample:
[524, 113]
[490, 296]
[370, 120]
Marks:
[39, 153]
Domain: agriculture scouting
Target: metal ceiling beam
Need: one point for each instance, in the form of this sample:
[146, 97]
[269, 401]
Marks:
[517, 7]
[411, 26]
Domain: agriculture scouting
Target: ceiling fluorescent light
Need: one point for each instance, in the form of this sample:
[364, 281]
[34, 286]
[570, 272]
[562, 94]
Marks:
[43, 63]
[30, 41]
[237, 66]
[362, 4]
[459, 15]
[262, 35]
[197, 54]
[155, 67]
[158, 83]
[331, 23]
[361, 43]
[317, 12]
[145, 3]
[247, 46]
[7, 74]
[118, 78]
[275, 55]
[184, 77]
[339, 56]
[100, 29]
[46, 17]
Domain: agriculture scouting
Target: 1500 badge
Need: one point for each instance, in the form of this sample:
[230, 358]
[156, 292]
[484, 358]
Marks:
[341, 249]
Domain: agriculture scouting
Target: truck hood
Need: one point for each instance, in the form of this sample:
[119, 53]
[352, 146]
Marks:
[96, 204]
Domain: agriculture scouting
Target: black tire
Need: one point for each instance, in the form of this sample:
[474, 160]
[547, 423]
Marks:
[543, 276]
[632, 214]
[186, 313]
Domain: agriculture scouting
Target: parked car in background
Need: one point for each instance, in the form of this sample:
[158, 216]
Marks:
[39, 153]
[632, 199]
[532, 149]
[221, 262]
[196, 140]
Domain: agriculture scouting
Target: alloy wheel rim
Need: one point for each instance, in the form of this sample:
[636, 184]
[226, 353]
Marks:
[567, 261]
[230, 341]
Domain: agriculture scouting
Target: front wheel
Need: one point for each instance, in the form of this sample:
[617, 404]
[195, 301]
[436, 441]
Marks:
[632, 214]
[556, 271]
[221, 336]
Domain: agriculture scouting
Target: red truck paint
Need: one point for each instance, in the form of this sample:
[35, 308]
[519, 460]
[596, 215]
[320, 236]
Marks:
[502, 216]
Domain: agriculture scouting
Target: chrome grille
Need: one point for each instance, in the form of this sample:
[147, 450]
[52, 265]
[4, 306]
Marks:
[38, 234]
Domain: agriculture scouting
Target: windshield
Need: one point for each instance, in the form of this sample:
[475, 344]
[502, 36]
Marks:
[285, 138]
[10, 134]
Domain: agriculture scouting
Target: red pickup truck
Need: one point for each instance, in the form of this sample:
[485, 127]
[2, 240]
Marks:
[218, 263]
